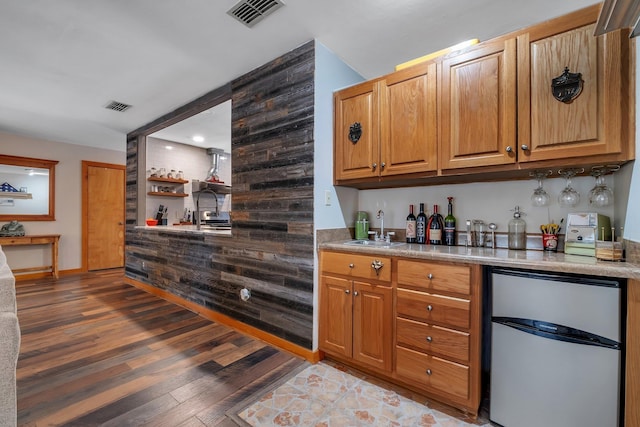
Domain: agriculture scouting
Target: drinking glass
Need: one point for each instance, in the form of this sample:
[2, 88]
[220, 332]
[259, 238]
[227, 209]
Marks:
[540, 197]
[569, 197]
[601, 194]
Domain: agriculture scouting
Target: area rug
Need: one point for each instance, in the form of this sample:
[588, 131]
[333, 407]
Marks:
[330, 395]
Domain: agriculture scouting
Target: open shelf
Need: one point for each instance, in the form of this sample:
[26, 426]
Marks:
[171, 180]
[166, 194]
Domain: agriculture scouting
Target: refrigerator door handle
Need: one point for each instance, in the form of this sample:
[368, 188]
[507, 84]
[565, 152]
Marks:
[556, 332]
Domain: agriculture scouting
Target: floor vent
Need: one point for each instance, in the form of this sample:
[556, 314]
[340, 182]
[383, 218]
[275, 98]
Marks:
[250, 12]
[117, 106]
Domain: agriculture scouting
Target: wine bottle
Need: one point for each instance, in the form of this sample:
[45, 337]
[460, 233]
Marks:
[421, 226]
[410, 228]
[450, 225]
[435, 226]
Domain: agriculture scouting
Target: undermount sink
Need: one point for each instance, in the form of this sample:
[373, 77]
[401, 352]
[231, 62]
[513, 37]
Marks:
[380, 243]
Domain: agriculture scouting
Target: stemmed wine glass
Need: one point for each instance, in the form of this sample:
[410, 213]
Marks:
[601, 195]
[540, 197]
[569, 197]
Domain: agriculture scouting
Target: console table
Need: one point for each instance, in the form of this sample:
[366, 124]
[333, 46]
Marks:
[47, 239]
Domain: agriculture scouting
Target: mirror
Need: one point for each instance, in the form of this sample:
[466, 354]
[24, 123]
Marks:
[27, 189]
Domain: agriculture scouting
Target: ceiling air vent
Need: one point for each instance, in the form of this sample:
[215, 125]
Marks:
[117, 106]
[250, 12]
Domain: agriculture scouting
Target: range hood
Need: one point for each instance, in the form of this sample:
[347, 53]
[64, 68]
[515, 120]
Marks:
[197, 186]
[212, 181]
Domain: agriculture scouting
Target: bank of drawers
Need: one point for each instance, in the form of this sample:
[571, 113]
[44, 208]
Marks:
[433, 326]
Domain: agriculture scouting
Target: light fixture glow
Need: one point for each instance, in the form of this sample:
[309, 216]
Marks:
[198, 138]
[168, 147]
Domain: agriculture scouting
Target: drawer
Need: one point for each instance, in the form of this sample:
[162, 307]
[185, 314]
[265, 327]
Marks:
[430, 308]
[355, 265]
[432, 373]
[433, 339]
[434, 276]
[41, 240]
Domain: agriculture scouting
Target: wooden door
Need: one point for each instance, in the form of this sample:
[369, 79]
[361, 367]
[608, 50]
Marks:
[478, 122]
[356, 156]
[408, 121]
[335, 325]
[372, 325]
[590, 125]
[103, 215]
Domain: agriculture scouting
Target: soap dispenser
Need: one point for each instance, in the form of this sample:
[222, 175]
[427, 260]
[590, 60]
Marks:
[517, 231]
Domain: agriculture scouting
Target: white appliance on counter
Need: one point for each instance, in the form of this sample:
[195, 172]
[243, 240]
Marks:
[556, 356]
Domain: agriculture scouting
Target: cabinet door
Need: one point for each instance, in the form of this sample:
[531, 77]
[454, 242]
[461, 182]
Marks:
[372, 325]
[479, 107]
[408, 121]
[592, 124]
[356, 157]
[335, 323]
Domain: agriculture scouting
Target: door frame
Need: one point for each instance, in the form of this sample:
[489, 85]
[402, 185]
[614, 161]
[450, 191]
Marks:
[85, 205]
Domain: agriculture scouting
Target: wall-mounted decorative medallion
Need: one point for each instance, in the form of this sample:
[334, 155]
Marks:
[355, 132]
[567, 86]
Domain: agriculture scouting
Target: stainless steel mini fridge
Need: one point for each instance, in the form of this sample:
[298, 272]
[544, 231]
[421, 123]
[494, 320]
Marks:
[556, 356]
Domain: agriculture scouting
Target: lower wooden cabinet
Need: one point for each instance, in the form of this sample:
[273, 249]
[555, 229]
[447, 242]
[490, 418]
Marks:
[438, 330]
[426, 336]
[356, 317]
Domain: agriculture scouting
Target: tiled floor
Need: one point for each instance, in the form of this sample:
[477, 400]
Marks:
[329, 395]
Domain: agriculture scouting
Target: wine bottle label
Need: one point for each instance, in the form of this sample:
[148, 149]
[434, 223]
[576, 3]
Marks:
[411, 229]
[420, 229]
[435, 234]
[450, 236]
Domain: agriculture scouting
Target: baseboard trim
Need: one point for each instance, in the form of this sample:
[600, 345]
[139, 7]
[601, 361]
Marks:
[309, 355]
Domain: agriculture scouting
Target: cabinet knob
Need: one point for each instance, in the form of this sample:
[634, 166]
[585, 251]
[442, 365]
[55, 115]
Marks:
[429, 307]
[509, 149]
[524, 147]
[429, 276]
[382, 165]
[351, 265]
[355, 293]
[374, 166]
[428, 371]
[429, 339]
[347, 291]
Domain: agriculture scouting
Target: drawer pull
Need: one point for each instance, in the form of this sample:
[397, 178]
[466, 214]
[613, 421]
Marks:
[428, 371]
[429, 307]
[377, 266]
[347, 291]
[429, 276]
[429, 339]
[351, 265]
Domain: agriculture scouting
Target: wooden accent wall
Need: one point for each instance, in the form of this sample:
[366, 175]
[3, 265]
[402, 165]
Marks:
[271, 248]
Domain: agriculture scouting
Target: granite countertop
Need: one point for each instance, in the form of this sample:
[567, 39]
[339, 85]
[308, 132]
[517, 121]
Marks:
[529, 259]
[189, 229]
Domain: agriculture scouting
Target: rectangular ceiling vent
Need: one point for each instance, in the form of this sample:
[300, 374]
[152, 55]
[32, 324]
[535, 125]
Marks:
[250, 12]
[117, 106]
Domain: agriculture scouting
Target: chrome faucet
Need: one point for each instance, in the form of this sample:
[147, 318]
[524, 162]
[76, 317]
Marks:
[380, 216]
[215, 195]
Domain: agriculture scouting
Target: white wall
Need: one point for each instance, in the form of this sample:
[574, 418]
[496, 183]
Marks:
[632, 223]
[68, 208]
[488, 201]
[331, 74]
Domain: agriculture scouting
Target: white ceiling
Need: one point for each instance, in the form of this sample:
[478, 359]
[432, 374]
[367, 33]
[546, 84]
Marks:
[62, 61]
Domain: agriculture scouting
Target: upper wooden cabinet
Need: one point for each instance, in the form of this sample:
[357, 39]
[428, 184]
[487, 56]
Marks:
[596, 122]
[478, 122]
[489, 112]
[387, 127]
[356, 136]
[408, 121]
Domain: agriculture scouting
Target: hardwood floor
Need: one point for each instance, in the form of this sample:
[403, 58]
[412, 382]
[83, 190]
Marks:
[98, 352]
